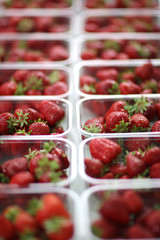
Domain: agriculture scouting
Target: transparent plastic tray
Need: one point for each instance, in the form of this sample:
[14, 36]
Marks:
[92, 198]
[62, 38]
[89, 108]
[11, 196]
[8, 70]
[58, 19]
[63, 103]
[85, 153]
[67, 146]
[82, 40]
[90, 67]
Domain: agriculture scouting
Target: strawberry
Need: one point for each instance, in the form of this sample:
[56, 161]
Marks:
[58, 53]
[138, 143]
[99, 119]
[152, 223]
[104, 74]
[116, 106]
[107, 87]
[135, 165]
[13, 166]
[151, 156]
[5, 106]
[51, 112]
[19, 147]
[89, 54]
[58, 152]
[20, 75]
[36, 80]
[155, 170]
[104, 149]
[22, 178]
[145, 71]
[128, 76]
[28, 115]
[87, 80]
[56, 89]
[109, 54]
[111, 207]
[107, 175]
[94, 127]
[129, 88]
[6, 123]
[158, 109]
[133, 201]
[93, 167]
[39, 128]
[138, 231]
[118, 169]
[117, 122]
[43, 24]
[156, 126]
[139, 122]
[8, 88]
[6, 229]
[99, 108]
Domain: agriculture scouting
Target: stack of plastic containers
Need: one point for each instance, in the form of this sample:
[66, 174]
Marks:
[79, 119]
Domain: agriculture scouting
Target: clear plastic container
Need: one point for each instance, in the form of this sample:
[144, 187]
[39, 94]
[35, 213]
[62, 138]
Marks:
[39, 49]
[89, 108]
[92, 199]
[35, 22]
[7, 104]
[89, 68]
[11, 196]
[124, 142]
[7, 71]
[28, 143]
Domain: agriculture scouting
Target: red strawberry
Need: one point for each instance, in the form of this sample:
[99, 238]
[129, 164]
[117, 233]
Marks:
[152, 222]
[155, 170]
[36, 76]
[133, 201]
[151, 156]
[5, 106]
[100, 119]
[115, 205]
[145, 71]
[116, 106]
[56, 89]
[29, 114]
[19, 147]
[129, 88]
[13, 166]
[158, 109]
[104, 74]
[88, 54]
[22, 178]
[4, 125]
[109, 54]
[58, 53]
[133, 144]
[156, 126]
[138, 231]
[6, 229]
[87, 80]
[129, 76]
[135, 165]
[39, 128]
[59, 153]
[93, 167]
[94, 127]
[51, 112]
[139, 122]
[104, 149]
[20, 75]
[107, 87]
[107, 175]
[117, 122]
[32, 92]
[43, 24]
[8, 88]
[99, 107]
[118, 169]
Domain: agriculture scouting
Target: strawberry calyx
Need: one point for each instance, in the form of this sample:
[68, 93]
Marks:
[22, 44]
[34, 83]
[48, 147]
[110, 44]
[152, 85]
[22, 118]
[139, 129]
[53, 224]
[33, 206]
[27, 235]
[31, 154]
[144, 174]
[92, 128]
[50, 167]
[121, 127]
[89, 88]
[20, 90]
[114, 89]
[140, 106]
[2, 51]
[54, 77]
[13, 123]
[4, 178]
[12, 213]
[97, 231]
[25, 25]
[156, 206]
[142, 50]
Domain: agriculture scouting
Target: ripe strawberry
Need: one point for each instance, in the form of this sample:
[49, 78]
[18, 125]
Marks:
[104, 149]
[51, 112]
[107, 86]
[8, 88]
[115, 205]
[152, 222]
[6, 106]
[117, 122]
[135, 165]
[89, 54]
[155, 170]
[19, 147]
[139, 122]
[28, 114]
[158, 109]
[100, 119]
[133, 144]
[33, 77]
[129, 88]
[99, 107]
[5, 126]
[87, 80]
[145, 71]
[6, 229]
[22, 178]
[138, 231]
[104, 74]
[156, 126]
[94, 127]
[93, 166]
[20, 75]
[32, 92]
[56, 89]
[133, 201]
[151, 156]
[116, 106]
[109, 54]
[39, 128]
[58, 53]
[128, 76]
[43, 24]
[107, 175]
[13, 166]
[59, 153]
[118, 169]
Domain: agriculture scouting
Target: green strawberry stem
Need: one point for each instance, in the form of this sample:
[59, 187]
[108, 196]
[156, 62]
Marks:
[53, 224]
[33, 206]
[92, 128]
[121, 127]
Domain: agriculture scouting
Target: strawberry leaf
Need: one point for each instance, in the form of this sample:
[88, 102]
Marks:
[34, 83]
[48, 147]
[139, 129]
[110, 44]
[92, 128]
[22, 118]
[114, 89]
[54, 77]
[25, 25]
[20, 90]
[89, 88]
[4, 178]
[12, 213]
[121, 127]
[12, 124]
[33, 206]
[27, 235]
[53, 224]
[31, 154]
[97, 231]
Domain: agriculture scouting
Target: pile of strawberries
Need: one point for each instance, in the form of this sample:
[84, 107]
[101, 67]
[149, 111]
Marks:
[123, 159]
[37, 4]
[16, 24]
[45, 217]
[128, 214]
[33, 51]
[121, 24]
[31, 118]
[137, 115]
[121, 4]
[119, 49]
[143, 79]
[25, 162]
[33, 82]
